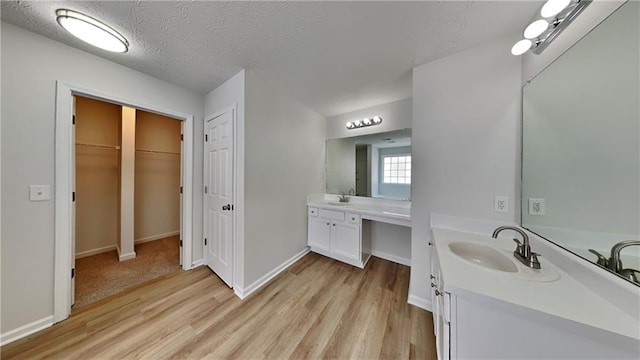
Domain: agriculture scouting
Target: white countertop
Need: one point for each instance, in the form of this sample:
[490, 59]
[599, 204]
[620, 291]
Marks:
[390, 211]
[565, 298]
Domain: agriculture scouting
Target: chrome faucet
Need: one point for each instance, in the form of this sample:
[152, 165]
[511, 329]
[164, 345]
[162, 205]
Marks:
[614, 262]
[352, 191]
[343, 198]
[523, 252]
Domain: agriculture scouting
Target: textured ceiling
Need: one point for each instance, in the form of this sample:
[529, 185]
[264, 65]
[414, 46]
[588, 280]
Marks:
[334, 57]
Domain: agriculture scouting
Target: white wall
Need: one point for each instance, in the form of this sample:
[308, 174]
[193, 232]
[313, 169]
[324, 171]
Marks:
[30, 66]
[232, 93]
[395, 116]
[284, 161]
[157, 177]
[465, 141]
[97, 175]
[391, 242]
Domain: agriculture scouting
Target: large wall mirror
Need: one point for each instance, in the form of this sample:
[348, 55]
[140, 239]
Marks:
[375, 165]
[581, 146]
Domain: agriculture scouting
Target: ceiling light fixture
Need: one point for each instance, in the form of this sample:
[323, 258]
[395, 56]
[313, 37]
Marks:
[92, 31]
[556, 16]
[376, 120]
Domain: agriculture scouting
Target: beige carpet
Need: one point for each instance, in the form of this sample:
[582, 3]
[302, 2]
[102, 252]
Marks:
[102, 275]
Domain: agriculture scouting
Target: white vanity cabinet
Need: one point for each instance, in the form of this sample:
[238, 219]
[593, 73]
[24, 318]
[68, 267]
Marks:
[338, 234]
[441, 314]
[470, 325]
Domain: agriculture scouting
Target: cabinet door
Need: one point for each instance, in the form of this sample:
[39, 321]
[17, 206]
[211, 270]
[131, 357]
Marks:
[319, 235]
[345, 239]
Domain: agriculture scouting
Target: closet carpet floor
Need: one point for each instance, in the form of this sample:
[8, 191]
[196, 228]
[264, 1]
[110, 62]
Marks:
[99, 276]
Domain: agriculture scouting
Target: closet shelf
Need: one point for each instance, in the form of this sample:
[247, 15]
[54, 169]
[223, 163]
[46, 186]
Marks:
[146, 151]
[99, 146]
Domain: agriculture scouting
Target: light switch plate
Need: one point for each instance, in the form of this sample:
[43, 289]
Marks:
[536, 207]
[39, 193]
[501, 204]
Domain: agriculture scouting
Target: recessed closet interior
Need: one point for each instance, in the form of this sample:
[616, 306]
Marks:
[128, 208]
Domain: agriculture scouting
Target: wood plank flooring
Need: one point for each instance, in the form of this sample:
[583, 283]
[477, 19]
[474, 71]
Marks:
[318, 308]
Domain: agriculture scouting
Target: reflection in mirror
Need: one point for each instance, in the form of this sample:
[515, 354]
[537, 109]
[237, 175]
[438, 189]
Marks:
[581, 147]
[376, 165]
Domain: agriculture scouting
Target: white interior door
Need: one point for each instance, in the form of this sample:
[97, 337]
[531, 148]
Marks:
[73, 204]
[219, 183]
[181, 188]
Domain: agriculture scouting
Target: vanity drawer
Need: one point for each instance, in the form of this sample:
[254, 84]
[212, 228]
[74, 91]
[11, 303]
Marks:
[353, 218]
[330, 214]
[313, 211]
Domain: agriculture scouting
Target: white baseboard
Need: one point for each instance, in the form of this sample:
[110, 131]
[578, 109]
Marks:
[129, 256]
[197, 263]
[25, 330]
[394, 258]
[95, 251]
[156, 237]
[114, 247]
[256, 285]
[420, 302]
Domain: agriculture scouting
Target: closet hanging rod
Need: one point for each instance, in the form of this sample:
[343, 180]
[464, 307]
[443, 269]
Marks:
[100, 146]
[157, 152]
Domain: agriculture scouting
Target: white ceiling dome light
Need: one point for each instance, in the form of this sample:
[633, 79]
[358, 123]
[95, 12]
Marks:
[92, 31]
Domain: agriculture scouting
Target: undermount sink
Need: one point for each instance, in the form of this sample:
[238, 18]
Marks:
[484, 256]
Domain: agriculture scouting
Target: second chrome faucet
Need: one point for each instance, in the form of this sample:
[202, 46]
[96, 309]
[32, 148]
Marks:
[523, 252]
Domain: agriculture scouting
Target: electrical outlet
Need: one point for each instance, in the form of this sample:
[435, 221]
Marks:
[501, 204]
[536, 207]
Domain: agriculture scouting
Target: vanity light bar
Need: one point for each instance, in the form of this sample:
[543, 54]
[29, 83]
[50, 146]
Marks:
[376, 120]
[552, 19]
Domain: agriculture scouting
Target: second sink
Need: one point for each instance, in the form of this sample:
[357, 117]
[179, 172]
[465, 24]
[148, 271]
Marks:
[484, 256]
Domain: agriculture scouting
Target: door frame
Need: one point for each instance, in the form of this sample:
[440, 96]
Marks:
[234, 183]
[63, 188]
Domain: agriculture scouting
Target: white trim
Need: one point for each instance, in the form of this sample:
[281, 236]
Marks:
[390, 257]
[256, 285]
[25, 330]
[197, 263]
[156, 237]
[96, 251]
[104, 249]
[129, 256]
[63, 217]
[420, 302]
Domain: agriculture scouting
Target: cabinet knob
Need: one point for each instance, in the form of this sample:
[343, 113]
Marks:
[430, 243]
[327, 223]
[334, 224]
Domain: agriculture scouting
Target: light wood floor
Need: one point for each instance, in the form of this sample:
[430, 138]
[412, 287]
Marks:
[317, 308]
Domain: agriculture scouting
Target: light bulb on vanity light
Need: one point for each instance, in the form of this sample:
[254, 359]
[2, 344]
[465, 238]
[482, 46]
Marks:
[536, 29]
[366, 121]
[377, 119]
[553, 7]
[350, 125]
[521, 47]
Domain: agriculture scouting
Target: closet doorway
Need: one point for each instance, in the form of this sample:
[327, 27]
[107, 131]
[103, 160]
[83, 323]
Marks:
[128, 173]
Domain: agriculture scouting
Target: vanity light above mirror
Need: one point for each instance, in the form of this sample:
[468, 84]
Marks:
[376, 120]
[549, 22]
